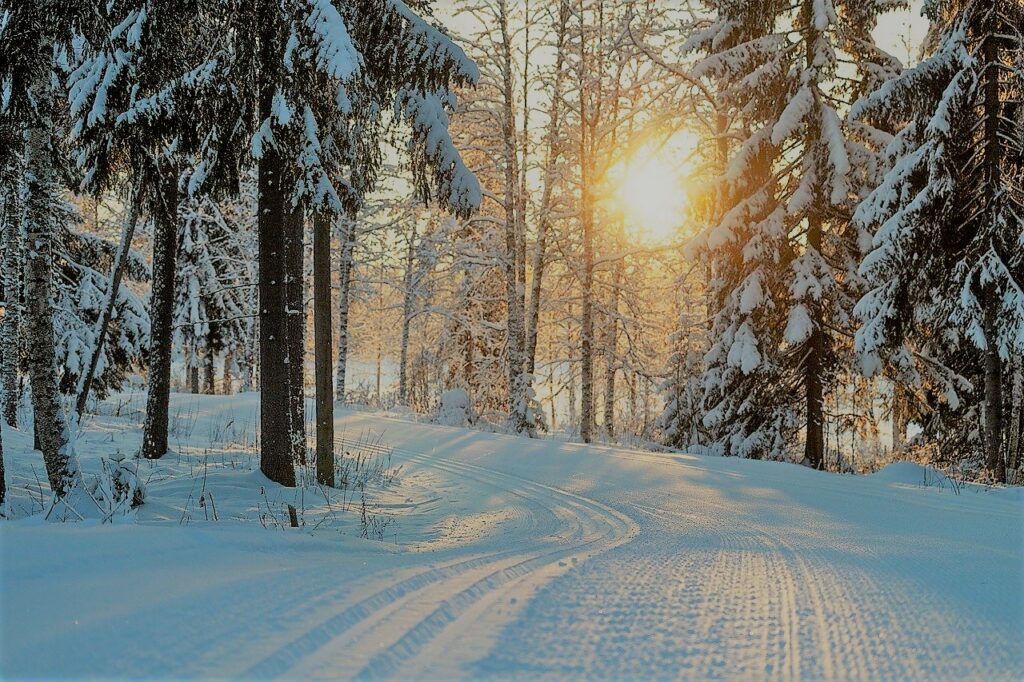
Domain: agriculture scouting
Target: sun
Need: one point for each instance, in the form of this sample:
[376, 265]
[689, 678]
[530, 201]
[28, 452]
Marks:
[652, 200]
[648, 193]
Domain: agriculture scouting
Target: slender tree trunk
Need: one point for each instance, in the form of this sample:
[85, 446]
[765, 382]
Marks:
[407, 303]
[515, 365]
[193, 374]
[165, 245]
[210, 370]
[276, 461]
[587, 319]
[12, 271]
[296, 328]
[550, 178]
[322, 347]
[3, 478]
[470, 363]
[992, 410]
[611, 354]
[347, 235]
[523, 166]
[899, 418]
[106, 314]
[1015, 442]
[814, 445]
[227, 381]
[11, 214]
[42, 196]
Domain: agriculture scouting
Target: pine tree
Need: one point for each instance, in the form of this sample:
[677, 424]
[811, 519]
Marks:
[99, 336]
[942, 229]
[139, 58]
[782, 248]
[84, 290]
[32, 34]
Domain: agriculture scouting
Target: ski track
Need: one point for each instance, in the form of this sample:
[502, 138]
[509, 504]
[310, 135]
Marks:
[384, 635]
[613, 566]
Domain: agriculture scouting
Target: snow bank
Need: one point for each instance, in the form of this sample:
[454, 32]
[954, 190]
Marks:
[909, 473]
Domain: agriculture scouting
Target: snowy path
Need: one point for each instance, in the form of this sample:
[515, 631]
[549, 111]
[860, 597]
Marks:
[558, 561]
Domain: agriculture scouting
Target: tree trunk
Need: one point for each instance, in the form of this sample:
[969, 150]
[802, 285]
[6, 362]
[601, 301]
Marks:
[1015, 441]
[407, 303]
[3, 482]
[227, 380]
[3, 479]
[544, 224]
[276, 460]
[322, 347]
[210, 371]
[587, 319]
[43, 196]
[515, 365]
[11, 272]
[296, 328]
[814, 445]
[193, 374]
[100, 331]
[992, 409]
[899, 417]
[611, 354]
[347, 235]
[165, 245]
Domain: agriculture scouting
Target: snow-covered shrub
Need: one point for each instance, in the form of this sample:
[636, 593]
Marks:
[117, 489]
[455, 409]
[83, 261]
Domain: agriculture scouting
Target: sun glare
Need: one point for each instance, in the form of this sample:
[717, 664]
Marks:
[649, 194]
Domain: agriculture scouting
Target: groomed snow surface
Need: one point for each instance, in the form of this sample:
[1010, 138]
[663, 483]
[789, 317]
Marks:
[493, 556]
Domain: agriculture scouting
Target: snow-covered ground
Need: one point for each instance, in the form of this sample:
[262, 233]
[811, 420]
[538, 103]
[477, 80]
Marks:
[494, 556]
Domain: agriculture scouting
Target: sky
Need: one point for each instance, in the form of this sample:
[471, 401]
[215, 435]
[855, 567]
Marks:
[899, 33]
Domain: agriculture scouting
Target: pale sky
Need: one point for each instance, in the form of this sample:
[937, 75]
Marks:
[899, 33]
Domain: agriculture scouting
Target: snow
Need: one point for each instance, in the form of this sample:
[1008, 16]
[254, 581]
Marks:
[337, 57]
[508, 557]
[455, 409]
[909, 473]
[792, 117]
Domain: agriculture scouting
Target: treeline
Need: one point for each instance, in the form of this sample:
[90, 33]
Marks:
[180, 108]
[858, 263]
[854, 263]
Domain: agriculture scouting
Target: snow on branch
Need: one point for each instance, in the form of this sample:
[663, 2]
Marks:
[336, 56]
[457, 188]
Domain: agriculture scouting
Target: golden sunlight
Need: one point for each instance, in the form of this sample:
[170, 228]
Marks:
[648, 191]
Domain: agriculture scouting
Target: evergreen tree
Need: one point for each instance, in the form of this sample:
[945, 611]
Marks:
[942, 230]
[139, 59]
[781, 249]
[83, 284]
[36, 35]
[211, 309]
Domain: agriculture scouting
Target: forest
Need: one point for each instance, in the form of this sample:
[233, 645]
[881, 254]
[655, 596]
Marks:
[743, 229]
[580, 339]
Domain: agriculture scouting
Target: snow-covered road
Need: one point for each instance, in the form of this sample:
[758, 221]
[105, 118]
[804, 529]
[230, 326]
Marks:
[557, 560]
